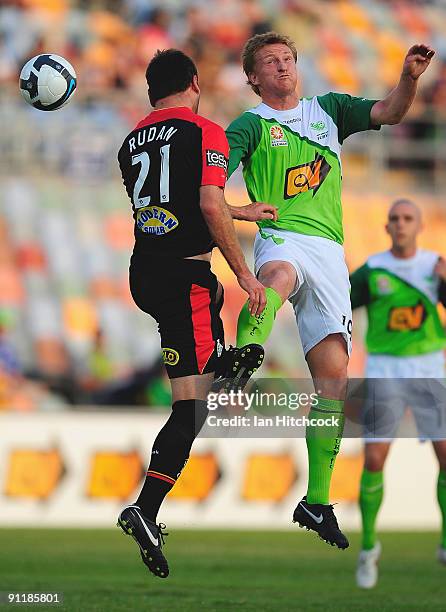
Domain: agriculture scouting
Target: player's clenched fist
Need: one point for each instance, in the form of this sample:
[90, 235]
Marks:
[417, 60]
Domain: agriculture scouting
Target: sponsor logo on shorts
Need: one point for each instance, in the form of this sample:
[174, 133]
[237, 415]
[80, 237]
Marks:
[217, 159]
[219, 348]
[155, 220]
[306, 177]
[277, 135]
[170, 356]
[407, 318]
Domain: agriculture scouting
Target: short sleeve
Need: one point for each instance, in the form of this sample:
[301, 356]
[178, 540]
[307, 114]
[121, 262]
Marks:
[244, 135]
[351, 114]
[359, 281]
[215, 155]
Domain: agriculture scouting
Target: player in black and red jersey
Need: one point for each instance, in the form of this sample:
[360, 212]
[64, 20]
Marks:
[174, 167]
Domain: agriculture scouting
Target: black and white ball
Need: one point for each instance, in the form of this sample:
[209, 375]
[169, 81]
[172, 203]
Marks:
[47, 81]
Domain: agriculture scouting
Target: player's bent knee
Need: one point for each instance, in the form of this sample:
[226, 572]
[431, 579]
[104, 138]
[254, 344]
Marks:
[196, 386]
[374, 459]
[280, 276]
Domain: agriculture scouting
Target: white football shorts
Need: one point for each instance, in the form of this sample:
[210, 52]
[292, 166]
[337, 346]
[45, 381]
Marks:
[321, 298]
[395, 384]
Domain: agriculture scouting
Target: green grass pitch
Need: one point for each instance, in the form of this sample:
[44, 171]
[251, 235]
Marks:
[100, 570]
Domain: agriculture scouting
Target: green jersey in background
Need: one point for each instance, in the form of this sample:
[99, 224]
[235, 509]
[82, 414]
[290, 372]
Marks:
[401, 296]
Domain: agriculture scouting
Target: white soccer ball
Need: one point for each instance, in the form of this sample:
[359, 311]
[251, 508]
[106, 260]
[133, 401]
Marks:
[47, 81]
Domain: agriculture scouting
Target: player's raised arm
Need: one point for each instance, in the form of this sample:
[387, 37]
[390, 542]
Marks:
[391, 109]
[221, 227]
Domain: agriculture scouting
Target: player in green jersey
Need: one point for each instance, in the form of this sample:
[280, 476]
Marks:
[290, 150]
[401, 288]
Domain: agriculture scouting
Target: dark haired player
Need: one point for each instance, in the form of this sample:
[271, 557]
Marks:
[174, 167]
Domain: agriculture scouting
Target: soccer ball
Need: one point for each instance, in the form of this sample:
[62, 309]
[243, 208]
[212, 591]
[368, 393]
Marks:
[47, 81]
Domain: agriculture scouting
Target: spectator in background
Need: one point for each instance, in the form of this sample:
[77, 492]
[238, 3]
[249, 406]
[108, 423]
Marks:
[100, 367]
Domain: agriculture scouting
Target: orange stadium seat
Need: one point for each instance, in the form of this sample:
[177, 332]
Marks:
[412, 19]
[79, 317]
[31, 257]
[11, 288]
[391, 50]
[354, 17]
[103, 287]
[340, 71]
[119, 231]
[53, 6]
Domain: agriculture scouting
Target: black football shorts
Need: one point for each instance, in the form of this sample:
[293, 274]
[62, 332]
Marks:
[180, 294]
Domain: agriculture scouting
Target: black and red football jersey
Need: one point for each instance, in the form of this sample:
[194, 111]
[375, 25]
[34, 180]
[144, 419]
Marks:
[164, 161]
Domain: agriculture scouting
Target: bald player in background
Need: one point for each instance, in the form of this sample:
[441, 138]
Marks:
[401, 289]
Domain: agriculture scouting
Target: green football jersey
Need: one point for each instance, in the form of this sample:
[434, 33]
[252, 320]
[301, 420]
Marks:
[401, 296]
[292, 159]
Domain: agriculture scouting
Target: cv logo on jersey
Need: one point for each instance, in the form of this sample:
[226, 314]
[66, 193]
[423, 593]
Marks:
[306, 177]
[407, 318]
[155, 220]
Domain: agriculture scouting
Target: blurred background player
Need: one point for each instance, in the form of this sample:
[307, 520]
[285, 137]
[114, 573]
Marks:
[401, 288]
[174, 168]
[290, 150]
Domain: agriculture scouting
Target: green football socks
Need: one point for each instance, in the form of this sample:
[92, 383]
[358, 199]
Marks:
[257, 329]
[370, 498]
[441, 496]
[323, 442]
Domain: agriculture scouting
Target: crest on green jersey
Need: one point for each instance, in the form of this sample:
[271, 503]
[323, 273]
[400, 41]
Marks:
[277, 135]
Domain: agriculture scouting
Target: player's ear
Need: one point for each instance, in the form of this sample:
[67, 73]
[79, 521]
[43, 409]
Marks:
[252, 78]
[194, 84]
[386, 227]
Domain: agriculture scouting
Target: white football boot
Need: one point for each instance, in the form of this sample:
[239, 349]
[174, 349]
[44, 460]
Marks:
[367, 570]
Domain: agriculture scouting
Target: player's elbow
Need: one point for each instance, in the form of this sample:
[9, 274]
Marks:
[210, 209]
[384, 114]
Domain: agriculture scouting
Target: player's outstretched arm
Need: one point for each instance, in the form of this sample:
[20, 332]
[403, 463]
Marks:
[221, 227]
[256, 211]
[394, 107]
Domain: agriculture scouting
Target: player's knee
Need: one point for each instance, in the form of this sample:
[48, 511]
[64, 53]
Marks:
[442, 462]
[440, 451]
[374, 460]
[281, 276]
[339, 368]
